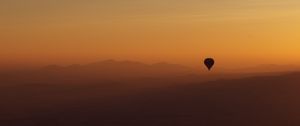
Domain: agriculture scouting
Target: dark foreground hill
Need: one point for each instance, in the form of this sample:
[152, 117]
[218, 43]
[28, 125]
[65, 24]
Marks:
[256, 101]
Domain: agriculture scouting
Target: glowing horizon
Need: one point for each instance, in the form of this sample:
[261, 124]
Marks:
[237, 32]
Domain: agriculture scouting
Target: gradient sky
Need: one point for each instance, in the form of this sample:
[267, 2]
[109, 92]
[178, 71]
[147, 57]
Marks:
[237, 32]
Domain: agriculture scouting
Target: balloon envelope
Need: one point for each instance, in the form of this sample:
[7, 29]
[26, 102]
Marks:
[209, 63]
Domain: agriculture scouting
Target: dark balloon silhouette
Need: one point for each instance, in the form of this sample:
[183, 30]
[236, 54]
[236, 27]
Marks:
[209, 63]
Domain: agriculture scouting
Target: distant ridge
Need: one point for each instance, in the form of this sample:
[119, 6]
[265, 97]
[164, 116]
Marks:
[268, 68]
[119, 63]
[113, 68]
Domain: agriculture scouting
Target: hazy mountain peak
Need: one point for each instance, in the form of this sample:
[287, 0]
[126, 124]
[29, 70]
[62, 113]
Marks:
[168, 65]
[53, 67]
[115, 62]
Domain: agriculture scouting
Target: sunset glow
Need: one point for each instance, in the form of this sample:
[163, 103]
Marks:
[239, 32]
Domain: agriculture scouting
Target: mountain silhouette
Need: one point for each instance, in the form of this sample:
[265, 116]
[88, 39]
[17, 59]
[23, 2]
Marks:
[268, 68]
[112, 69]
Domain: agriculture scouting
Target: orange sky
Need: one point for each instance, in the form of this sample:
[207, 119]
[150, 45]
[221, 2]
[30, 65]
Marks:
[238, 32]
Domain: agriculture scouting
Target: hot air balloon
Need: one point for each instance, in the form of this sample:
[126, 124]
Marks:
[209, 63]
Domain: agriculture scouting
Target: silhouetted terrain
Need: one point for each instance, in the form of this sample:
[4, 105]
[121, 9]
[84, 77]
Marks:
[146, 95]
[269, 68]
